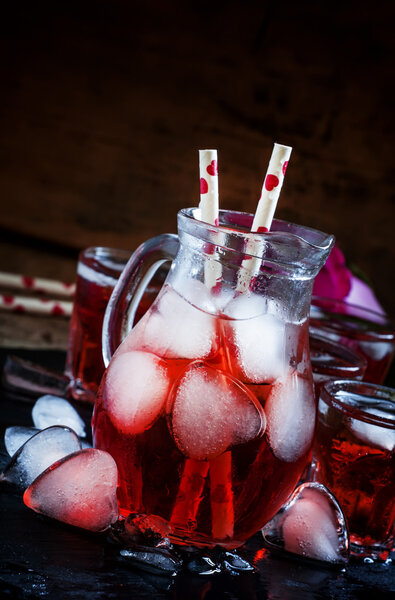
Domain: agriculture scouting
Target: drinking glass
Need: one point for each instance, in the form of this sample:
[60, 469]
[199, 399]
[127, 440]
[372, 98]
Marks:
[369, 333]
[355, 450]
[332, 360]
[98, 270]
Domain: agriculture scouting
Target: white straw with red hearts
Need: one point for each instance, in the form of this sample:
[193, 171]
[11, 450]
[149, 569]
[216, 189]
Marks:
[209, 208]
[36, 306]
[264, 214]
[40, 285]
[195, 472]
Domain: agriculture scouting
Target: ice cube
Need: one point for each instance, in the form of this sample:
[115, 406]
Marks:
[290, 412]
[212, 412]
[79, 489]
[38, 453]
[311, 525]
[175, 328]
[135, 390]
[258, 338]
[152, 560]
[375, 435]
[16, 436]
[52, 410]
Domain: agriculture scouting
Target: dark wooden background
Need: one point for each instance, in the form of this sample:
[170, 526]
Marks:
[104, 105]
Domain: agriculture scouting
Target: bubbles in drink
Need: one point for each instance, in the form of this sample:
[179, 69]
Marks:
[290, 412]
[51, 410]
[40, 452]
[311, 525]
[16, 436]
[211, 412]
[258, 337]
[135, 390]
[79, 490]
[176, 328]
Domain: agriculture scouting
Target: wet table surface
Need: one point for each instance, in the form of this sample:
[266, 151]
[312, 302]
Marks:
[42, 558]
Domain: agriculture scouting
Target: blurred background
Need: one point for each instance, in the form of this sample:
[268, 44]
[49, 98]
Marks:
[104, 105]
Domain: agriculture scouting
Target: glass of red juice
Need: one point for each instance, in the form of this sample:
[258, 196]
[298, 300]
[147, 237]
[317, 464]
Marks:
[331, 360]
[355, 448]
[98, 271]
[369, 333]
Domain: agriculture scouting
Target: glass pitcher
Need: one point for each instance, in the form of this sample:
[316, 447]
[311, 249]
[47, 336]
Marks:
[207, 404]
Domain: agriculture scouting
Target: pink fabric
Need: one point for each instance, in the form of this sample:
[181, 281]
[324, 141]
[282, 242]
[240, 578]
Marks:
[335, 280]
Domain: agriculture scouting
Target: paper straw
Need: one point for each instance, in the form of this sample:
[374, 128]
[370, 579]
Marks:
[209, 207]
[209, 197]
[264, 214]
[37, 306]
[36, 284]
[189, 495]
[221, 496]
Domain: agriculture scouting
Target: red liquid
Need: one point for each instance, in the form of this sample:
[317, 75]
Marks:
[84, 358]
[223, 499]
[94, 286]
[362, 477]
[330, 360]
[349, 326]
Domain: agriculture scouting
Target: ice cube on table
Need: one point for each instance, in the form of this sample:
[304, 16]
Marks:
[175, 327]
[310, 525]
[152, 560]
[290, 412]
[16, 436]
[52, 410]
[79, 489]
[258, 338]
[212, 412]
[38, 453]
[135, 390]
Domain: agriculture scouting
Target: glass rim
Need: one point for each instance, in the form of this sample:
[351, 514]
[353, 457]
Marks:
[385, 327]
[97, 251]
[326, 237]
[357, 362]
[362, 389]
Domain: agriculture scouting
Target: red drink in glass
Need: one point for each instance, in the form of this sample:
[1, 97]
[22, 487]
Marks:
[355, 448]
[370, 334]
[97, 273]
[208, 432]
[331, 360]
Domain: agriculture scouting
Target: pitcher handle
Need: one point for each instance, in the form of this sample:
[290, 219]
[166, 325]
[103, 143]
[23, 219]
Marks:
[126, 296]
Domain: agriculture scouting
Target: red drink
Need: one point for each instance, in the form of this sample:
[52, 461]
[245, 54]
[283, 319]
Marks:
[210, 432]
[369, 334]
[97, 273]
[331, 360]
[355, 448]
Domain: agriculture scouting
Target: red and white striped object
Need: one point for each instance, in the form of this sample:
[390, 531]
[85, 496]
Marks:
[38, 306]
[37, 284]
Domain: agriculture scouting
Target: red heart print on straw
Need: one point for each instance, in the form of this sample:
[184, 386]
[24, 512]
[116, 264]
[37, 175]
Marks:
[212, 169]
[264, 213]
[271, 182]
[203, 186]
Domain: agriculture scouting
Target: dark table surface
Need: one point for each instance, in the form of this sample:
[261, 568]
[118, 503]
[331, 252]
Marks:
[42, 558]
